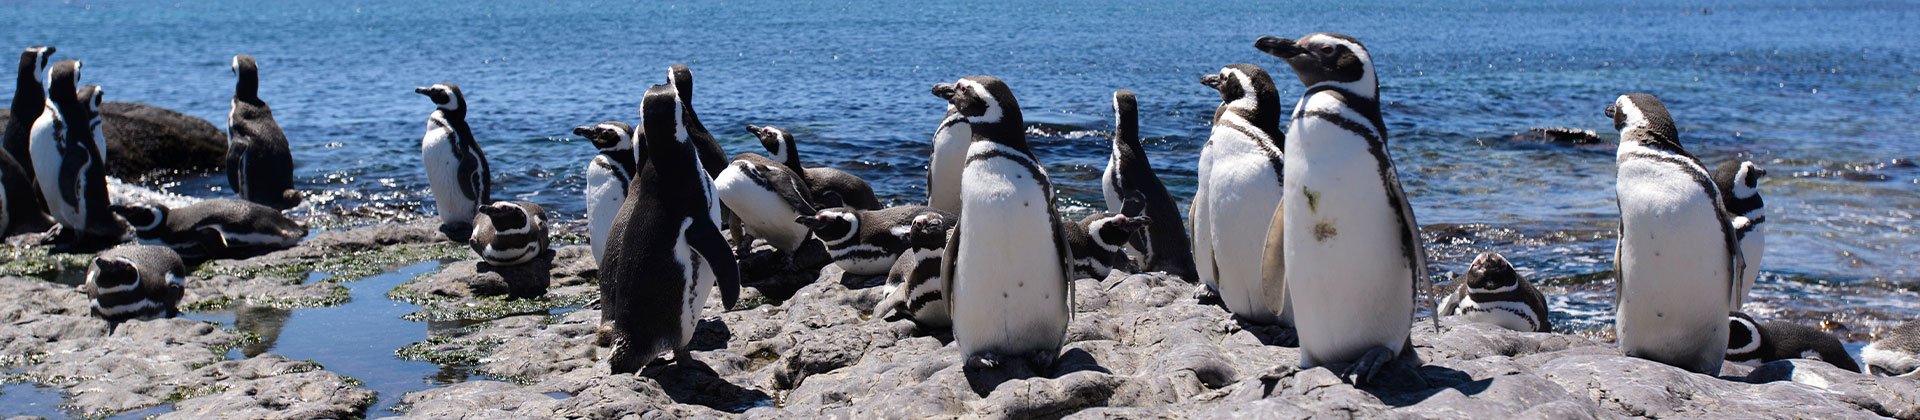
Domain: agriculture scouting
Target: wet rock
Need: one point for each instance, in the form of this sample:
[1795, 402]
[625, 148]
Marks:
[269, 387]
[465, 279]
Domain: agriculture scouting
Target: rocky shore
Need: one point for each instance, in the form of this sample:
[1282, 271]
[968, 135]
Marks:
[1141, 346]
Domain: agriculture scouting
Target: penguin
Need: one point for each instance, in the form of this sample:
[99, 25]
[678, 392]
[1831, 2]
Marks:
[70, 163]
[1239, 190]
[1006, 265]
[21, 209]
[852, 191]
[768, 199]
[135, 282]
[665, 252]
[237, 228]
[1494, 293]
[456, 167]
[914, 289]
[1098, 243]
[1753, 343]
[608, 175]
[948, 159]
[1162, 245]
[1896, 353]
[1349, 234]
[259, 161]
[1677, 262]
[510, 233]
[713, 158]
[865, 242]
[1739, 185]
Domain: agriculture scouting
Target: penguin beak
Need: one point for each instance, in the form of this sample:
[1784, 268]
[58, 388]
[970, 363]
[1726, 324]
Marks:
[1613, 111]
[584, 131]
[423, 90]
[1279, 47]
[1141, 220]
[944, 91]
[1212, 80]
[1758, 171]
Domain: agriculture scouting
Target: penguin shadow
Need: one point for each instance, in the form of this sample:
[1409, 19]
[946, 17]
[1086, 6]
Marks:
[524, 281]
[982, 380]
[1272, 335]
[1403, 384]
[778, 275]
[694, 382]
[710, 334]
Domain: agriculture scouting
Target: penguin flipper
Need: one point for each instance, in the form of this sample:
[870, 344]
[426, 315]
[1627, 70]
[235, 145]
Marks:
[1619, 277]
[1453, 301]
[235, 166]
[947, 258]
[706, 240]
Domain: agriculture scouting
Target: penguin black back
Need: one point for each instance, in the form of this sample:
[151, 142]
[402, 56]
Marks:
[259, 162]
[1129, 176]
[29, 99]
[827, 186]
[135, 282]
[1750, 341]
[713, 158]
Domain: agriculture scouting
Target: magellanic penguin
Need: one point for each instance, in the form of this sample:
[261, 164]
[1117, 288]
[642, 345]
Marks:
[914, 289]
[1753, 343]
[949, 158]
[216, 228]
[135, 282]
[665, 252]
[1492, 292]
[713, 158]
[1739, 185]
[259, 161]
[1163, 245]
[1006, 264]
[1239, 191]
[1353, 256]
[510, 233]
[1895, 353]
[21, 209]
[70, 162]
[456, 167]
[823, 183]
[768, 198]
[1677, 261]
[608, 176]
[866, 242]
[1098, 243]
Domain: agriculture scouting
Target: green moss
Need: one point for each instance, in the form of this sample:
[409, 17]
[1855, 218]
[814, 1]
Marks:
[436, 308]
[246, 338]
[208, 305]
[190, 392]
[35, 261]
[340, 267]
[462, 352]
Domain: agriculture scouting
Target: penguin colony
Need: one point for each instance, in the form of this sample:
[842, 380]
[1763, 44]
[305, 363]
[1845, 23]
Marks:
[1297, 216]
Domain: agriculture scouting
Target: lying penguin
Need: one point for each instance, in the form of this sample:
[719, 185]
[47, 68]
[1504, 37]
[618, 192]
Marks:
[1493, 293]
[509, 233]
[865, 242]
[1098, 243]
[1753, 343]
[1896, 353]
[914, 289]
[131, 282]
[212, 229]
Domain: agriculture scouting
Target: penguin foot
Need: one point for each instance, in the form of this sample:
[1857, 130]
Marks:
[682, 357]
[981, 361]
[1207, 295]
[1362, 371]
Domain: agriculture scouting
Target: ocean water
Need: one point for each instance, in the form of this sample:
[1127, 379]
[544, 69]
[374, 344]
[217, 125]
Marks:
[1820, 93]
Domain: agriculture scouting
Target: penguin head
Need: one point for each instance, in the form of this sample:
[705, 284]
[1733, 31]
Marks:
[607, 136]
[931, 226]
[1641, 118]
[34, 61]
[1241, 84]
[660, 112]
[1326, 59]
[981, 100]
[1739, 180]
[445, 96]
[681, 78]
[86, 116]
[112, 272]
[145, 218]
[1112, 230]
[1491, 273]
[508, 215]
[776, 140]
[1126, 113]
[1744, 337]
[62, 81]
[833, 226]
[248, 74]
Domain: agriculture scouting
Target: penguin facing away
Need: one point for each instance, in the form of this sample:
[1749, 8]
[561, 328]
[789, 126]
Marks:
[1753, 343]
[822, 183]
[1349, 231]
[21, 209]
[866, 242]
[713, 158]
[768, 199]
[1097, 243]
[1895, 353]
[456, 167]
[1163, 245]
[914, 289]
[1739, 185]
[665, 252]
[1677, 260]
[1006, 264]
[135, 282]
[509, 233]
[1239, 190]
[1493, 292]
[237, 228]
[69, 156]
[608, 175]
[949, 157]
[259, 161]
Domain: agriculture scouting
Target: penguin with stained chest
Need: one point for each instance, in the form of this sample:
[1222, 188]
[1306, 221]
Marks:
[1493, 292]
[608, 175]
[665, 252]
[1239, 190]
[866, 242]
[132, 282]
[259, 161]
[69, 157]
[1098, 243]
[949, 158]
[823, 183]
[456, 167]
[1739, 185]
[1678, 260]
[914, 289]
[768, 198]
[1006, 265]
[1753, 343]
[509, 233]
[1162, 245]
[21, 209]
[216, 228]
[1349, 233]
[1895, 352]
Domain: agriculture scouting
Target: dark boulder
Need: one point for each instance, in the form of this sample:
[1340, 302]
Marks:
[144, 140]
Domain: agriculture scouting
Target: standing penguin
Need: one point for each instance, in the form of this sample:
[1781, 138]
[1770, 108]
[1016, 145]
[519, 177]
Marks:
[21, 209]
[949, 158]
[456, 167]
[713, 158]
[1098, 241]
[665, 252]
[822, 183]
[259, 162]
[70, 162]
[914, 288]
[1739, 185]
[1007, 263]
[216, 228]
[1354, 261]
[608, 176]
[1678, 259]
[866, 242]
[1753, 343]
[1163, 244]
[1494, 293]
[510, 233]
[135, 282]
[768, 199]
[1895, 353]
[1239, 191]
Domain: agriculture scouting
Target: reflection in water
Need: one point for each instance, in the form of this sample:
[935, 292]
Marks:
[263, 321]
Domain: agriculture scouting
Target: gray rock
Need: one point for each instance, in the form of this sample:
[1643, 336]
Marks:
[269, 387]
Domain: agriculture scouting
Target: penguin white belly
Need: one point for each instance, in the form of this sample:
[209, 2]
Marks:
[1753, 247]
[764, 213]
[1110, 182]
[1509, 315]
[1674, 263]
[605, 192]
[1009, 292]
[44, 148]
[697, 276]
[239, 238]
[512, 256]
[945, 168]
[1200, 217]
[1242, 192]
[443, 175]
[1350, 282]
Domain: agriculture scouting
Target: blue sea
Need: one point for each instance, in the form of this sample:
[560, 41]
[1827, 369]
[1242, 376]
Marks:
[1822, 94]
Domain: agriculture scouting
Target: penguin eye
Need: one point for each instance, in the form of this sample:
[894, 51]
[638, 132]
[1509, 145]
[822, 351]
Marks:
[1326, 50]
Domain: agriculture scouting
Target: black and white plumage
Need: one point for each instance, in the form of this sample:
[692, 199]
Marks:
[1739, 185]
[259, 161]
[1353, 255]
[865, 242]
[21, 209]
[665, 252]
[823, 184]
[1494, 293]
[768, 198]
[1006, 266]
[1163, 245]
[949, 158]
[509, 233]
[1678, 260]
[608, 175]
[713, 158]
[216, 228]
[69, 153]
[1753, 343]
[456, 167]
[1239, 190]
[914, 289]
[1896, 352]
[1098, 243]
[136, 282]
